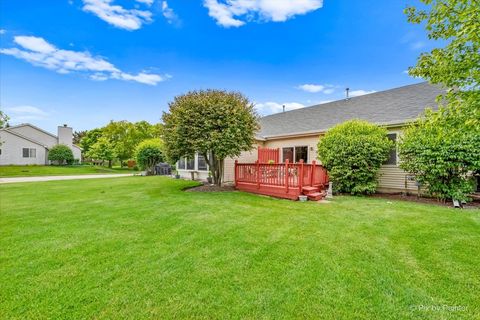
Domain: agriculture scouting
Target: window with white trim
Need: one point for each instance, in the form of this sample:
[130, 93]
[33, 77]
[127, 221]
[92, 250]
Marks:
[201, 163]
[29, 152]
[295, 154]
[181, 164]
[190, 163]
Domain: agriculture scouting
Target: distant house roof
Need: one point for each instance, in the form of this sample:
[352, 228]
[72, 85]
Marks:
[36, 128]
[23, 137]
[394, 106]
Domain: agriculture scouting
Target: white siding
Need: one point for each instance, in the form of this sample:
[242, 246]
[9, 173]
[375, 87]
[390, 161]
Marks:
[35, 134]
[77, 153]
[394, 179]
[12, 152]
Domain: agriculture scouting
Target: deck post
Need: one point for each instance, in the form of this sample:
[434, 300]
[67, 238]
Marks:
[286, 175]
[300, 180]
[236, 173]
[258, 174]
[312, 174]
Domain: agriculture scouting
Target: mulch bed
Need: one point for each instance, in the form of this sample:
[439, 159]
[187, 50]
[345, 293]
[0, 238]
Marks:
[210, 188]
[471, 205]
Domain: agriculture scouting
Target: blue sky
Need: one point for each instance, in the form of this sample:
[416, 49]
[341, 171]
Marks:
[86, 62]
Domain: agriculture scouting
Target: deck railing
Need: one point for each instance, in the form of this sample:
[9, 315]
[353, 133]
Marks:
[287, 175]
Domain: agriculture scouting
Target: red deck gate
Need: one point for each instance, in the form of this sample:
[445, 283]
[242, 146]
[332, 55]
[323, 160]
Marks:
[268, 155]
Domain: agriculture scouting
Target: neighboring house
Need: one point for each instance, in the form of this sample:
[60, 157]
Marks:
[26, 144]
[296, 133]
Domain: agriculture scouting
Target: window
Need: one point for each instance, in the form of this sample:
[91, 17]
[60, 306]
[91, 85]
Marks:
[190, 164]
[202, 163]
[392, 157]
[295, 154]
[29, 153]
[287, 154]
[301, 153]
[181, 164]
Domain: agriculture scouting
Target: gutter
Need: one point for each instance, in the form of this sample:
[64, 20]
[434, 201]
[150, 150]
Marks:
[392, 124]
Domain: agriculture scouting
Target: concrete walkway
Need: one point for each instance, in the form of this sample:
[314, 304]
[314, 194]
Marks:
[55, 178]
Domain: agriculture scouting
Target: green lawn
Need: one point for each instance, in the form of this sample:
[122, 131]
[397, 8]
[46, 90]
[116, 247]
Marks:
[30, 171]
[139, 247]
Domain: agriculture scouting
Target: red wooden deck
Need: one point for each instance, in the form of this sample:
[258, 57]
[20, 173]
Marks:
[281, 180]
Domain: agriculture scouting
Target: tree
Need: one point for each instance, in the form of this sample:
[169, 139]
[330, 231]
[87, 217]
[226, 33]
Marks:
[3, 120]
[125, 136]
[443, 148]
[119, 133]
[148, 153]
[61, 154]
[90, 138]
[216, 124]
[455, 22]
[103, 150]
[78, 136]
[353, 152]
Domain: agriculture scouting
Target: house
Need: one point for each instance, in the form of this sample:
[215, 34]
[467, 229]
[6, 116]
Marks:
[295, 134]
[26, 144]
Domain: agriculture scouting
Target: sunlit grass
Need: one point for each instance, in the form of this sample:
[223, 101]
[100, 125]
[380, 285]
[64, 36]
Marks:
[140, 247]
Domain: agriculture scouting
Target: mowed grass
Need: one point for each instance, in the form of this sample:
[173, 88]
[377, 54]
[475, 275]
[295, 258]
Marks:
[31, 171]
[141, 248]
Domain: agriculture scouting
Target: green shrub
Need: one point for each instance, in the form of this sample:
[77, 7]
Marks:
[61, 154]
[148, 153]
[443, 148]
[353, 152]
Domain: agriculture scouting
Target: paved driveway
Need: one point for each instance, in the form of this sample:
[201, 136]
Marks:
[54, 178]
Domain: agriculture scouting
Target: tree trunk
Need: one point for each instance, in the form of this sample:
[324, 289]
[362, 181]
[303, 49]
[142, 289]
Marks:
[109, 163]
[216, 168]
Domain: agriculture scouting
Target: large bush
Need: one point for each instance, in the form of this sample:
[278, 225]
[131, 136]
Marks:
[443, 148]
[353, 152]
[61, 154]
[148, 153]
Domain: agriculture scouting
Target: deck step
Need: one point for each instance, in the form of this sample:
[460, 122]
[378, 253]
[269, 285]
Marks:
[315, 196]
[309, 190]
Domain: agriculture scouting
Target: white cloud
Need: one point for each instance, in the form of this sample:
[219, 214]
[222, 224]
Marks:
[40, 53]
[274, 107]
[27, 110]
[356, 93]
[35, 44]
[329, 91]
[147, 2]
[315, 88]
[235, 13]
[116, 15]
[3, 31]
[26, 113]
[168, 13]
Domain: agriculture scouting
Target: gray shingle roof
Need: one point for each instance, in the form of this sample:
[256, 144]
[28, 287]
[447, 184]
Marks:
[394, 106]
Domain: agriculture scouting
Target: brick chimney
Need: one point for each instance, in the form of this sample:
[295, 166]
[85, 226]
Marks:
[65, 135]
